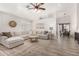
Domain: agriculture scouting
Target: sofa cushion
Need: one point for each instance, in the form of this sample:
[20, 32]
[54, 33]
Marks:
[13, 40]
[2, 38]
[8, 34]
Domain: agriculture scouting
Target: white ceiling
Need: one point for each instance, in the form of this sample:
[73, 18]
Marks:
[20, 9]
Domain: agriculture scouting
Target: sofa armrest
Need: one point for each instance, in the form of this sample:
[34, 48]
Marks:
[2, 38]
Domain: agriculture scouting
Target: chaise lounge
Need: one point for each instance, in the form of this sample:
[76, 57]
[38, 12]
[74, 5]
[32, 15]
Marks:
[11, 42]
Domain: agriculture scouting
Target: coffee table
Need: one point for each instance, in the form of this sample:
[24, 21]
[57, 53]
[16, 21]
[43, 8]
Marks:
[33, 38]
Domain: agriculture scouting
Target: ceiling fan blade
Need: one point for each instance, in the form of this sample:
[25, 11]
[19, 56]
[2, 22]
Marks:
[40, 4]
[32, 4]
[42, 8]
[29, 7]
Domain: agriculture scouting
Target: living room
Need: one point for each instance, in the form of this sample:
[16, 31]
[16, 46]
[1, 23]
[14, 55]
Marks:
[39, 29]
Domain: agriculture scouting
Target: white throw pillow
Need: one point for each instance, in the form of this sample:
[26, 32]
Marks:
[2, 38]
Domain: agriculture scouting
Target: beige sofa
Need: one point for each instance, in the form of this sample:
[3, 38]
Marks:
[11, 42]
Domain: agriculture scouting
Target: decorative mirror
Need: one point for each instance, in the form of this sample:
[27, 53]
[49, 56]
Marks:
[12, 24]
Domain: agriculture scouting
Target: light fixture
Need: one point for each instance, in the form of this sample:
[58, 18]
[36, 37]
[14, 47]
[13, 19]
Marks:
[36, 6]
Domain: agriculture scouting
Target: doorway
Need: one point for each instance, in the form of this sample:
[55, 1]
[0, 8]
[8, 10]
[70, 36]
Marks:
[63, 30]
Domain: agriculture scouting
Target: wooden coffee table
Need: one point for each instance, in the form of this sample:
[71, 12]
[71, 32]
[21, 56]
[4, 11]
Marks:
[33, 38]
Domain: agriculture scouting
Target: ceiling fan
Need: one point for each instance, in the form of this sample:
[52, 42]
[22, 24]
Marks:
[36, 6]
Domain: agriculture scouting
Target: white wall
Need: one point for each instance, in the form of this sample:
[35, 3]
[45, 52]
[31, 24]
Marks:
[71, 16]
[22, 24]
[49, 22]
[64, 19]
[74, 19]
[21, 10]
[78, 17]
